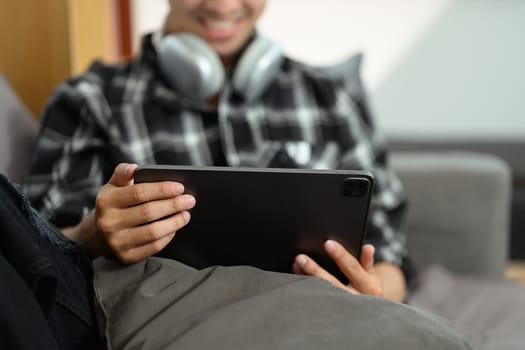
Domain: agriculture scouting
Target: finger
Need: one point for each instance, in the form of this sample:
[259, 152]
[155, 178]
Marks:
[349, 265]
[128, 196]
[367, 256]
[154, 210]
[139, 253]
[143, 235]
[304, 265]
[298, 270]
[123, 174]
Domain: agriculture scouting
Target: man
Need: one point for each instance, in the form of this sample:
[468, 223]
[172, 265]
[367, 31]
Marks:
[98, 126]
[132, 114]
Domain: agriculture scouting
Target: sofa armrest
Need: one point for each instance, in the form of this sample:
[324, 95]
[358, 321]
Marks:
[18, 130]
[458, 210]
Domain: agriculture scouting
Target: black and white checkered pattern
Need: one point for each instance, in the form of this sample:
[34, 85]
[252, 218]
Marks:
[317, 117]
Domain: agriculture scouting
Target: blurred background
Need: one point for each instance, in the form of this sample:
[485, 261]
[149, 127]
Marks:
[441, 74]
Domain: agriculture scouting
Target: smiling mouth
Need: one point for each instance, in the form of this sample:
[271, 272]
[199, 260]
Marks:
[221, 28]
[219, 25]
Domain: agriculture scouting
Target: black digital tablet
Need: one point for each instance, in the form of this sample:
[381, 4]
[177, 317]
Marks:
[265, 217]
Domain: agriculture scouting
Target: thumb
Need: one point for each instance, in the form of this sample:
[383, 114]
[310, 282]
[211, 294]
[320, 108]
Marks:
[123, 175]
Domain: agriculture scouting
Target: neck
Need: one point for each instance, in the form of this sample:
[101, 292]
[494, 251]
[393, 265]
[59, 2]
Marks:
[214, 101]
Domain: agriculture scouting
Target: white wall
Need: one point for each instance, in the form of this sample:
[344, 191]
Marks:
[146, 16]
[326, 31]
[465, 78]
[406, 43]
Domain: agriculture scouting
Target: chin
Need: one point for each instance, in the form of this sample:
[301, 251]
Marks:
[227, 51]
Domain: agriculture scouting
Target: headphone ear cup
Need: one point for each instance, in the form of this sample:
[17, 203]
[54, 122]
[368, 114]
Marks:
[190, 66]
[257, 67]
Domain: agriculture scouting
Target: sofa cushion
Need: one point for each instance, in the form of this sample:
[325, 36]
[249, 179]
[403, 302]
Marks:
[489, 311]
[163, 304]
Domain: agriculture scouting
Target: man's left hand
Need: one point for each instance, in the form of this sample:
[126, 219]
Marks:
[360, 273]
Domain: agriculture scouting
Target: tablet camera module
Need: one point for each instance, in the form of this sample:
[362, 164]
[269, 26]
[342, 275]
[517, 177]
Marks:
[355, 187]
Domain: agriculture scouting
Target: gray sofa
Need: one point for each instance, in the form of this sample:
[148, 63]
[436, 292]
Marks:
[457, 227]
[17, 132]
[458, 213]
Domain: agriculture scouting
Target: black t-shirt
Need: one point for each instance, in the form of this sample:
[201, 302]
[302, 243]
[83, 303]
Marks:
[210, 119]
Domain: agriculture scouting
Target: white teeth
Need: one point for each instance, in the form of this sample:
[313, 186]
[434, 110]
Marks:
[219, 24]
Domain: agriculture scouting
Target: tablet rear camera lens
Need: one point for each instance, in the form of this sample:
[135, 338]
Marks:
[354, 187]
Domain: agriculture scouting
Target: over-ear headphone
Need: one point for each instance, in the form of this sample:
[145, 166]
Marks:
[194, 69]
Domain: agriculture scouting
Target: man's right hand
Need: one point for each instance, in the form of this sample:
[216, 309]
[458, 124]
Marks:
[133, 221]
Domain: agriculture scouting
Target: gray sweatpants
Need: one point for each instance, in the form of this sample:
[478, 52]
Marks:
[163, 304]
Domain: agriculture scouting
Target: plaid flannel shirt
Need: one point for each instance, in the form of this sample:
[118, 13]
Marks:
[307, 117]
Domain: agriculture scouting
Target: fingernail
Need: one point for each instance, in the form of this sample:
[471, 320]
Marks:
[330, 245]
[186, 216]
[189, 201]
[126, 169]
[177, 188]
[301, 260]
